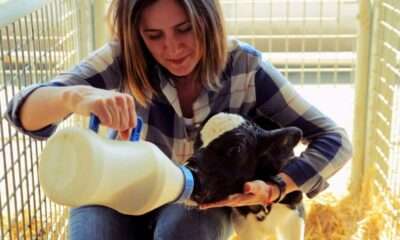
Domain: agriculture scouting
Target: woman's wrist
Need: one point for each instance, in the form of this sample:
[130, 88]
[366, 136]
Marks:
[279, 186]
[72, 95]
[275, 193]
[290, 184]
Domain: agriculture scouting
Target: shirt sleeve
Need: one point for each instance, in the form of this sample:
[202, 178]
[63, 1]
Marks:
[101, 69]
[328, 146]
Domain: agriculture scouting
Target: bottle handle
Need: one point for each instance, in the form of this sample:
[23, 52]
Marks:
[94, 123]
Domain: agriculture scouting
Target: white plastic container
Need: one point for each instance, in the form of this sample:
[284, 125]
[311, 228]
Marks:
[77, 167]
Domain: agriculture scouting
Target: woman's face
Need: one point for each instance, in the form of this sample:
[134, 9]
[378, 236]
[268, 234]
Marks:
[168, 34]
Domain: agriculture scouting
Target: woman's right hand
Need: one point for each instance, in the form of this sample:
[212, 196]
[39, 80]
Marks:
[114, 109]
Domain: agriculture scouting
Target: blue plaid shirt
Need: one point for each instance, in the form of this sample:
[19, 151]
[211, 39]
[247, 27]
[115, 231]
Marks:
[250, 86]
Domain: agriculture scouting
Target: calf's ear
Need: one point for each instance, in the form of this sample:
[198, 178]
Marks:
[274, 146]
[198, 142]
[285, 138]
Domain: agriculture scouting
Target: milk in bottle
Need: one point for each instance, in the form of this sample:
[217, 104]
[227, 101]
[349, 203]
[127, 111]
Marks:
[78, 167]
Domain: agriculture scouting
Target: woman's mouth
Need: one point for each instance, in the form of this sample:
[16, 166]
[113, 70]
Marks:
[178, 61]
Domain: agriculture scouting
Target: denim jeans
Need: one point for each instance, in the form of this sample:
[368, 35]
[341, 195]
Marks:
[171, 222]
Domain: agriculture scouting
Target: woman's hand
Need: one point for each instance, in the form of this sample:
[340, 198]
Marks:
[255, 193]
[114, 109]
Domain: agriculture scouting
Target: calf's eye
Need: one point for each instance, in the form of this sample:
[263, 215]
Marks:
[234, 150]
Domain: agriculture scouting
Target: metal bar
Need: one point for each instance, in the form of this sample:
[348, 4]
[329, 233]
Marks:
[286, 39]
[7, 190]
[3, 178]
[263, 1]
[338, 21]
[67, 42]
[296, 36]
[279, 19]
[10, 137]
[1, 210]
[59, 33]
[85, 23]
[75, 23]
[38, 224]
[305, 70]
[27, 169]
[49, 213]
[50, 49]
[236, 17]
[252, 22]
[321, 9]
[362, 138]
[303, 42]
[36, 142]
[17, 160]
[270, 30]
[99, 29]
[68, 25]
[24, 38]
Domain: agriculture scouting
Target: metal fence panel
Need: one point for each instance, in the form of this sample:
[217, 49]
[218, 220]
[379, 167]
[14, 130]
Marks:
[310, 41]
[383, 133]
[34, 48]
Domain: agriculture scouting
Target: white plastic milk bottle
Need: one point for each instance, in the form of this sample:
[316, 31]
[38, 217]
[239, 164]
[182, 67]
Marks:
[78, 167]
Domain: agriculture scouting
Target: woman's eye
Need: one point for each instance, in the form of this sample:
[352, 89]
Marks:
[185, 28]
[154, 37]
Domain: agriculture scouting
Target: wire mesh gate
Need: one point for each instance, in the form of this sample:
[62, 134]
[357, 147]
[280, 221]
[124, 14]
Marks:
[34, 47]
[309, 41]
[383, 133]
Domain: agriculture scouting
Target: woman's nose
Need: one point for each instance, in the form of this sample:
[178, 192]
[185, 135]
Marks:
[173, 47]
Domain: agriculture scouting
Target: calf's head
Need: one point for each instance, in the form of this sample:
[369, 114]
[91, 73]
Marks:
[231, 150]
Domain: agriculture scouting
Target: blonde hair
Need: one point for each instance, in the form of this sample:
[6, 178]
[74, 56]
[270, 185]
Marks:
[208, 27]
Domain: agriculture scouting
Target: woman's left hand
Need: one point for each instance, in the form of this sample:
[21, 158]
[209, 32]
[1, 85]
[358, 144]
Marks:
[254, 193]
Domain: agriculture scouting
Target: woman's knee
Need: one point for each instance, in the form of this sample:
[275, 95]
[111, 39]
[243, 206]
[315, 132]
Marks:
[178, 222]
[98, 222]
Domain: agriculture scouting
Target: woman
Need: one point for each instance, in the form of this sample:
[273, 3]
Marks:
[171, 64]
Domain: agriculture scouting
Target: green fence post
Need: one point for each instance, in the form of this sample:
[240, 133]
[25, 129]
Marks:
[361, 96]
[100, 32]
